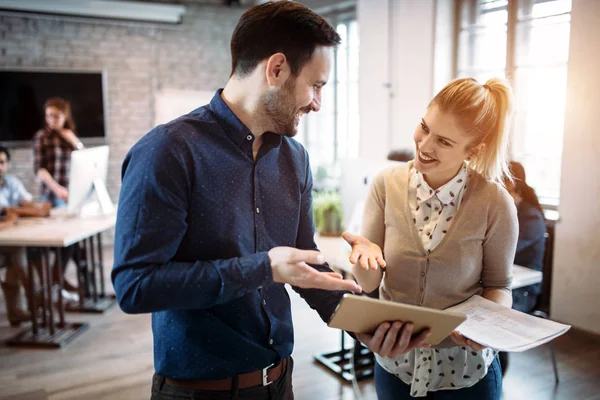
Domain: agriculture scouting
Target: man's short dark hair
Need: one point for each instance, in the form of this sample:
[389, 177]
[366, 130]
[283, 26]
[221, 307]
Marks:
[401, 155]
[5, 151]
[278, 27]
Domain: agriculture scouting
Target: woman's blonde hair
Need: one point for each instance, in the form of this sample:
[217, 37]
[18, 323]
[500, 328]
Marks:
[485, 113]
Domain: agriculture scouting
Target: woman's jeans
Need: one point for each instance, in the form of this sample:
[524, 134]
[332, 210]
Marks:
[390, 387]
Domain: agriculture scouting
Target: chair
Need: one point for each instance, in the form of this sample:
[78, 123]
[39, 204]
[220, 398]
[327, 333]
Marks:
[542, 306]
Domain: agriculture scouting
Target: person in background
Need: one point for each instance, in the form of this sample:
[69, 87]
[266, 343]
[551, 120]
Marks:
[15, 278]
[402, 155]
[52, 159]
[15, 201]
[531, 243]
[215, 217]
[52, 151]
[448, 230]
[532, 235]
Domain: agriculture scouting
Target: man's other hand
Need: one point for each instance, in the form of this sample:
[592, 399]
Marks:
[290, 265]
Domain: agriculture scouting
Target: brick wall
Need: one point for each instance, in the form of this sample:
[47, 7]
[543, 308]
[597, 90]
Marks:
[140, 60]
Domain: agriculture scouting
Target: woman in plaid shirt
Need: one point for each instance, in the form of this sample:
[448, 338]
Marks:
[52, 151]
[52, 161]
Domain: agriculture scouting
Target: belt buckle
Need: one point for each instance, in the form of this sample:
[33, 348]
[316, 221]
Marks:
[265, 376]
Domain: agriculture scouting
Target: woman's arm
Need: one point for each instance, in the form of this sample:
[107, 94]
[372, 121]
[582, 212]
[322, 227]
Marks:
[373, 229]
[59, 190]
[499, 248]
[498, 254]
[71, 138]
[499, 296]
[368, 261]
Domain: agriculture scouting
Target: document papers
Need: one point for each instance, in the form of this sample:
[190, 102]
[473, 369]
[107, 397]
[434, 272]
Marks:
[504, 329]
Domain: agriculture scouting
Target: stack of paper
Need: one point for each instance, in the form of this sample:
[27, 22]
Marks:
[504, 329]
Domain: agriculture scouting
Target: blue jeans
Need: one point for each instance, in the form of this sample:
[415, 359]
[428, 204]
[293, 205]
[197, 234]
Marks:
[389, 387]
[52, 199]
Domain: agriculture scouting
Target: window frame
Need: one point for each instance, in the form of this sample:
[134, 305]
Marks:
[342, 16]
[512, 25]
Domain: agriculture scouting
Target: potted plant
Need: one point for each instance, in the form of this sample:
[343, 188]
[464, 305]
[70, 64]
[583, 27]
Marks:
[327, 211]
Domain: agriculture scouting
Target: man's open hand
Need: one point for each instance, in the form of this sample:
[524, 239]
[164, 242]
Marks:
[290, 265]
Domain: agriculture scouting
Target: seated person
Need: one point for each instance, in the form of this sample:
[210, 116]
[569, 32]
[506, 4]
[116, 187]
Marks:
[531, 242]
[14, 278]
[15, 201]
[403, 155]
[532, 230]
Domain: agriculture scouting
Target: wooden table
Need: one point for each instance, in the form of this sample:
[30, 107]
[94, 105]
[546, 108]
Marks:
[337, 252]
[55, 233]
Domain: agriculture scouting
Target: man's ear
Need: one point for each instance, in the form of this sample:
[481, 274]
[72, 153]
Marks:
[277, 70]
[476, 151]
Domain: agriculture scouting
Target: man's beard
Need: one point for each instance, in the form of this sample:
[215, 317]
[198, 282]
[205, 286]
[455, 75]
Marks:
[279, 110]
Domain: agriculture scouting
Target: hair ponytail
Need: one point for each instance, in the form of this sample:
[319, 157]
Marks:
[485, 112]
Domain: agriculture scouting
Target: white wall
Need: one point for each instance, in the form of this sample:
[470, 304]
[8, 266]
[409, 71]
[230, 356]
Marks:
[395, 71]
[412, 84]
[443, 68]
[576, 279]
[373, 75]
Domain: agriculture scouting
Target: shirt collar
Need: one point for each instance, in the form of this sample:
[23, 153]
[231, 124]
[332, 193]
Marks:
[235, 128]
[447, 193]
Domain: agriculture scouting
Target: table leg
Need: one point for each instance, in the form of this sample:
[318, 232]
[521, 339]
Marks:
[81, 272]
[59, 271]
[92, 270]
[101, 266]
[47, 269]
[43, 289]
[46, 335]
[92, 297]
[32, 300]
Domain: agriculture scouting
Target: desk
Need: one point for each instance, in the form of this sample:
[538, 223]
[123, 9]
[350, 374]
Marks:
[337, 252]
[56, 233]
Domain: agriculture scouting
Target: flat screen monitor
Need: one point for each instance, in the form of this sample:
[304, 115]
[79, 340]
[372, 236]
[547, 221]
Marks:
[24, 93]
[87, 182]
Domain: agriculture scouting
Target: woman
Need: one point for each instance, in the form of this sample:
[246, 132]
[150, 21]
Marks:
[52, 159]
[531, 243]
[448, 230]
[52, 151]
[532, 231]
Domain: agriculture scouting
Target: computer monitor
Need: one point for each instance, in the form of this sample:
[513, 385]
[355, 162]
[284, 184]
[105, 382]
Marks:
[357, 176]
[87, 182]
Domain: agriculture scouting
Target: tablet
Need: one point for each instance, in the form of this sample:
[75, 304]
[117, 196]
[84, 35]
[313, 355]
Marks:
[363, 315]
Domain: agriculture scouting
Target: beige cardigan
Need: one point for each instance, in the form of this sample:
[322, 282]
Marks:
[476, 253]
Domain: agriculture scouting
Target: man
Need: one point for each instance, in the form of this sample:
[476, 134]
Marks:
[14, 198]
[15, 201]
[215, 216]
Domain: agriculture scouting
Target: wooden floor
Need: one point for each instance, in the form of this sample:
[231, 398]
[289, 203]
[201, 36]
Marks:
[113, 360]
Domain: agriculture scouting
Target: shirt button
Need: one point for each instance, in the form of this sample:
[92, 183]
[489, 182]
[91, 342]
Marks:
[249, 137]
[264, 302]
[257, 210]
[423, 273]
[270, 341]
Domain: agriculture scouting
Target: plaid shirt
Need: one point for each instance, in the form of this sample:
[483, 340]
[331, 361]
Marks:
[53, 153]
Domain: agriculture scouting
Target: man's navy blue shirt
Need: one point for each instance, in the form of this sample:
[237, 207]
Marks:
[196, 218]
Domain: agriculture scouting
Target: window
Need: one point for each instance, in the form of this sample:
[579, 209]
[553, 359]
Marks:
[331, 134]
[526, 41]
